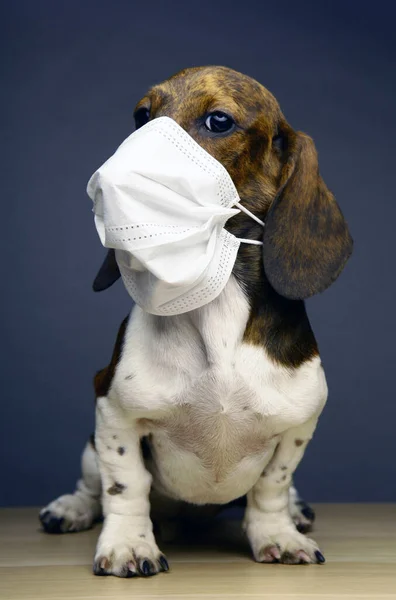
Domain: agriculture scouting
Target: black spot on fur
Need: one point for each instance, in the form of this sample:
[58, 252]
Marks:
[121, 450]
[116, 488]
[283, 468]
[131, 376]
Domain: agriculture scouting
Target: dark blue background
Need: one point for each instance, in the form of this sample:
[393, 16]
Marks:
[70, 76]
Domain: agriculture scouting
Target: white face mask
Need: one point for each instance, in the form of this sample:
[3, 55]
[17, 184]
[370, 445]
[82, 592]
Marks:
[161, 201]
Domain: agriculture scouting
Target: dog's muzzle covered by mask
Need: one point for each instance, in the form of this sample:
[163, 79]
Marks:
[161, 201]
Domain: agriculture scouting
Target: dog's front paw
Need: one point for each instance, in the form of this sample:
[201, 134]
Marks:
[127, 548]
[286, 546]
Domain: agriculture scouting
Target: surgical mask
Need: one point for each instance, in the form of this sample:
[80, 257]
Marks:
[161, 201]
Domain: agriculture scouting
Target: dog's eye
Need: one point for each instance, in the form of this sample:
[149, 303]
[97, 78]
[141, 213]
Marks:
[219, 122]
[142, 116]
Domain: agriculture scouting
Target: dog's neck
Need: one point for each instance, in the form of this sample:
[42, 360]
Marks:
[218, 327]
[248, 310]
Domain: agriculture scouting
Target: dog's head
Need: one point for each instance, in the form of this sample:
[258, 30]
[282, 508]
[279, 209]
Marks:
[275, 170]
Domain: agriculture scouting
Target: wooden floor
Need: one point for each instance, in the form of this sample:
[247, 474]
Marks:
[359, 542]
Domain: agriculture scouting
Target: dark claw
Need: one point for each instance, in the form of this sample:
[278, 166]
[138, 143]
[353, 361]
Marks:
[308, 513]
[51, 524]
[319, 556]
[147, 568]
[164, 563]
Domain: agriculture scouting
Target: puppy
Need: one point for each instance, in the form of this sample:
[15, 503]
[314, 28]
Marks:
[226, 397]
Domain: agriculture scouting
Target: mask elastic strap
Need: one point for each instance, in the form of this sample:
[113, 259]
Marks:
[255, 242]
[247, 212]
[252, 216]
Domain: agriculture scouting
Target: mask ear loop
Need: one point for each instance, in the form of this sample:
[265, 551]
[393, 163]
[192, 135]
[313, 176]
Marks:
[253, 242]
[252, 216]
[247, 212]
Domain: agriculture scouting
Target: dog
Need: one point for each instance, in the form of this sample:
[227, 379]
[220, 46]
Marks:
[218, 403]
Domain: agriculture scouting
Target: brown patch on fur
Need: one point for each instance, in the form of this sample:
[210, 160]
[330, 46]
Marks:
[299, 442]
[103, 378]
[116, 488]
[281, 326]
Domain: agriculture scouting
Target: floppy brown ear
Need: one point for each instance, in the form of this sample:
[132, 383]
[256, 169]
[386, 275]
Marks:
[107, 274]
[306, 239]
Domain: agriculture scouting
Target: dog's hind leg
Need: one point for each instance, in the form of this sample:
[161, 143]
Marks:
[77, 511]
[301, 512]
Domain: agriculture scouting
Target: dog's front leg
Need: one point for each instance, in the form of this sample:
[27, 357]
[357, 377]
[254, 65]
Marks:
[268, 524]
[126, 545]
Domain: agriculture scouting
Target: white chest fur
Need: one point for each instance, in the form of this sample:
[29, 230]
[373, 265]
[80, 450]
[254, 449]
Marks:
[215, 406]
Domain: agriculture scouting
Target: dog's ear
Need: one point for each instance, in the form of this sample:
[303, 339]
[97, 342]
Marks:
[107, 274]
[306, 239]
